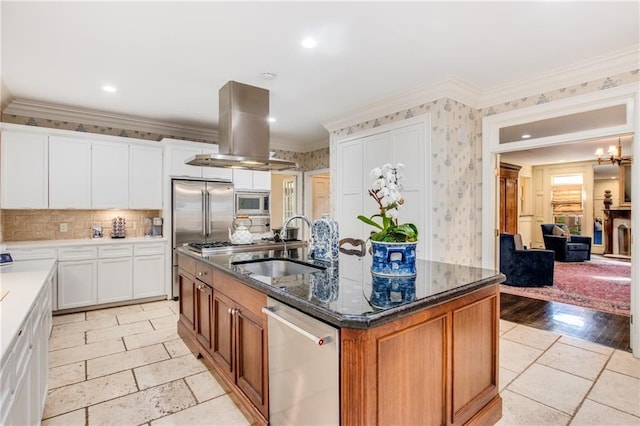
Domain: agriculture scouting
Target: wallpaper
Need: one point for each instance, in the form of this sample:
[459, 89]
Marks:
[457, 166]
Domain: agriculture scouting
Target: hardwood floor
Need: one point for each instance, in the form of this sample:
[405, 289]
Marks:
[599, 327]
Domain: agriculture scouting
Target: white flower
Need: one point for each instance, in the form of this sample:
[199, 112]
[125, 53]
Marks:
[375, 173]
[393, 214]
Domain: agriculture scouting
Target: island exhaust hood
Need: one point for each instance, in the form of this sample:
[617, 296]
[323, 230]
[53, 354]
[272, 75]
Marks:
[243, 131]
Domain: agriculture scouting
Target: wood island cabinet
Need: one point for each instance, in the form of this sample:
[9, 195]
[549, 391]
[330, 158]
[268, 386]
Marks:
[222, 320]
[438, 365]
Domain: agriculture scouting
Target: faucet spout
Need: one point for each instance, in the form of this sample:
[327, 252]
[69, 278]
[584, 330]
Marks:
[283, 231]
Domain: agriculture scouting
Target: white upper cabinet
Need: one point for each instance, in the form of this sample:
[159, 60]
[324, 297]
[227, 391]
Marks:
[24, 174]
[109, 175]
[69, 173]
[178, 155]
[252, 180]
[145, 177]
[180, 151]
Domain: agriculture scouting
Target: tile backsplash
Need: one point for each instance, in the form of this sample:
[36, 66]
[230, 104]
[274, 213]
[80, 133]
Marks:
[33, 225]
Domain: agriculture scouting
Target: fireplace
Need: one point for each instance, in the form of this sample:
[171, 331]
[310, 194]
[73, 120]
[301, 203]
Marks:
[621, 236]
[617, 232]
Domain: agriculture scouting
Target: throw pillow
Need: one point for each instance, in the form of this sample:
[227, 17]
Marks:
[517, 239]
[561, 233]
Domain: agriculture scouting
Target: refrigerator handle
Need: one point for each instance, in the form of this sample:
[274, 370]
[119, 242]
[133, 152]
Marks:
[205, 213]
[207, 203]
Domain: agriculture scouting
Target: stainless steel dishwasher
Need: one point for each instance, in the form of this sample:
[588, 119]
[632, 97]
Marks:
[303, 368]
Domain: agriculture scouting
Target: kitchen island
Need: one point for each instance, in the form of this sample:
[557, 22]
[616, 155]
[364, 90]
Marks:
[420, 350]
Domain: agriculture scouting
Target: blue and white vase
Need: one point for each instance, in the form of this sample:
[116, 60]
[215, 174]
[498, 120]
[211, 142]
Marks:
[324, 240]
[387, 292]
[393, 259]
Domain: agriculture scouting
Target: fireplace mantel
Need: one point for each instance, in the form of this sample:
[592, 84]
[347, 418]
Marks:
[610, 214]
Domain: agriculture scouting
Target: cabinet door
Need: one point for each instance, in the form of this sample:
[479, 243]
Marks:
[251, 357]
[145, 177]
[115, 279]
[109, 176]
[222, 345]
[187, 289]
[77, 283]
[204, 308]
[349, 187]
[242, 179]
[24, 171]
[262, 180]
[179, 154]
[69, 173]
[148, 276]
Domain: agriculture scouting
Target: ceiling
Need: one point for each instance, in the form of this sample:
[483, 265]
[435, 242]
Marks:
[169, 59]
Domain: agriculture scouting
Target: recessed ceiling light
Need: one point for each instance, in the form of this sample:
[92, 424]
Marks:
[271, 119]
[526, 136]
[309, 43]
[108, 88]
[268, 76]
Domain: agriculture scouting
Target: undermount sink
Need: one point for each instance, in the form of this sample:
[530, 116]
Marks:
[277, 267]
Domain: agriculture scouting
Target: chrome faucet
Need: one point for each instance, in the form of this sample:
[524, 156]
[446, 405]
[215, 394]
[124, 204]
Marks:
[283, 231]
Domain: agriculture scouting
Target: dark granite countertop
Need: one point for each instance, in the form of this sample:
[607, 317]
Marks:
[345, 294]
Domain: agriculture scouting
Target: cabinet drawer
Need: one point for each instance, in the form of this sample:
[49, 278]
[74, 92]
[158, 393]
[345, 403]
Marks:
[77, 253]
[187, 264]
[250, 299]
[117, 250]
[148, 249]
[204, 273]
[33, 254]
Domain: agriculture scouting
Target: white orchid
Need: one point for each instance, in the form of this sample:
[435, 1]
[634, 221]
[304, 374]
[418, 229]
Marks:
[385, 189]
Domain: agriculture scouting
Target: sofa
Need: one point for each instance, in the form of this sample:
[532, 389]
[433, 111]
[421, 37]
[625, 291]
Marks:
[567, 248]
[522, 267]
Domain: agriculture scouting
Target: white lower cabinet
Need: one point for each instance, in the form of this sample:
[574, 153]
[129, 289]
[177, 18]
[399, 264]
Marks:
[90, 275]
[115, 279]
[148, 276]
[77, 283]
[115, 273]
[24, 373]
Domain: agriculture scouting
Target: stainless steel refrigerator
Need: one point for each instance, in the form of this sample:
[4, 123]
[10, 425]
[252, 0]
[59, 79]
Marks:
[202, 211]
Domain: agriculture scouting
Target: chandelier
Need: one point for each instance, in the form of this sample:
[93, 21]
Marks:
[615, 155]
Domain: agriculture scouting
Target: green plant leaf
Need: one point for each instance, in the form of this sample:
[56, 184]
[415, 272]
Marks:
[369, 221]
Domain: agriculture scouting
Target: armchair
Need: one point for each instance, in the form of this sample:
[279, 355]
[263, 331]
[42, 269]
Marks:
[577, 248]
[524, 268]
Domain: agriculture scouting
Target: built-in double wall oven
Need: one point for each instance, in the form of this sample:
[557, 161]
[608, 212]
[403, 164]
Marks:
[252, 203]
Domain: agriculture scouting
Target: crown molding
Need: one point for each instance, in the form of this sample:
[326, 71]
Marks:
[27, 108]
[619, 61]
[453, 87]
[296, 146]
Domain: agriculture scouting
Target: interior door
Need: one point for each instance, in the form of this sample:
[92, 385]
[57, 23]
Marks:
[321, 196]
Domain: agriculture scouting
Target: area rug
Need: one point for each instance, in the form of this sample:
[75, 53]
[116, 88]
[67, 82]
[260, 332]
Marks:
[600, 284]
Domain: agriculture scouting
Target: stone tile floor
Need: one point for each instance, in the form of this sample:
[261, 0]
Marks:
[127, 366]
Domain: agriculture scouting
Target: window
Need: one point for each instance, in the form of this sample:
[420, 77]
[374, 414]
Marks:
[567, 201]
[288, 198]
